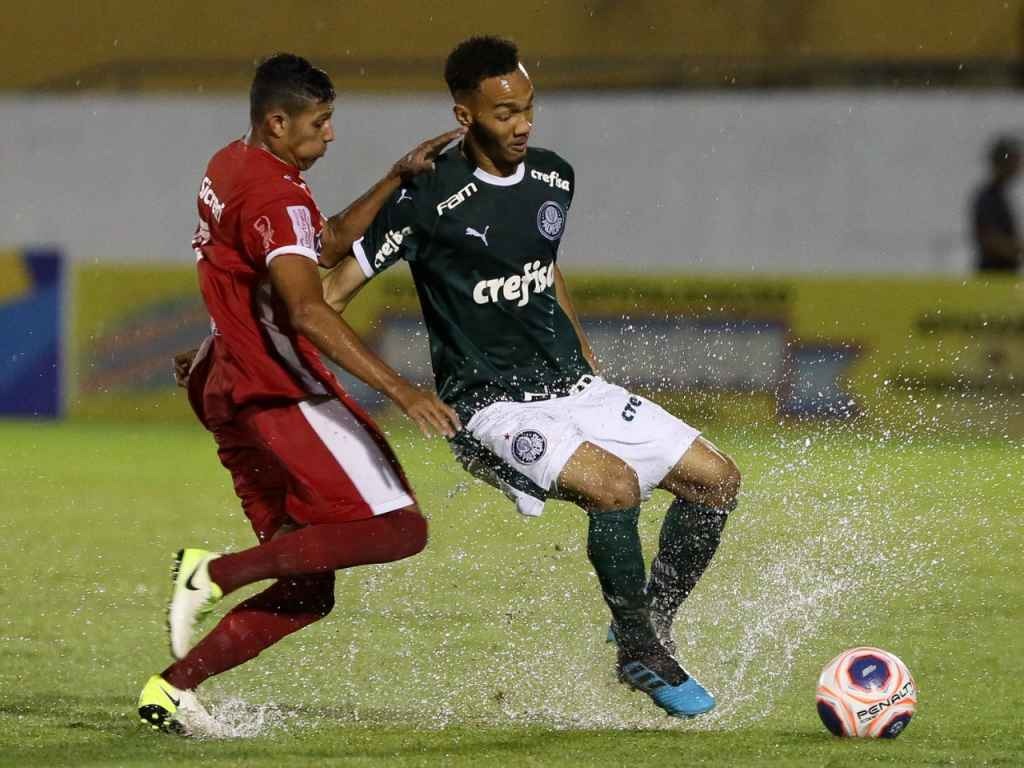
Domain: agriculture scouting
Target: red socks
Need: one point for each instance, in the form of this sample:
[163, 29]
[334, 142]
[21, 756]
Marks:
[321, 548]
[254, 625]
[304, 561]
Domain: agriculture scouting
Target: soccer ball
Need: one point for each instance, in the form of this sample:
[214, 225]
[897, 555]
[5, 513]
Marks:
[866, 692]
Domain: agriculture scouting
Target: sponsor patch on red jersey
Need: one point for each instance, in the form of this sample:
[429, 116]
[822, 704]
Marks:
[302, 226]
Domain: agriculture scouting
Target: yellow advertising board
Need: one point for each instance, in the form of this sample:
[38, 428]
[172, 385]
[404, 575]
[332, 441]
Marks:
[921, 353]
[127, 323]
[926, 355]
[910, 354]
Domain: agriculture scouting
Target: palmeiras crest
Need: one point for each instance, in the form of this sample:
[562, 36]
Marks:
[528, 446]
[551, 220]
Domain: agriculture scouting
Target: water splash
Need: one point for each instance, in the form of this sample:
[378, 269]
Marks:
[234, 718]
[511, 630]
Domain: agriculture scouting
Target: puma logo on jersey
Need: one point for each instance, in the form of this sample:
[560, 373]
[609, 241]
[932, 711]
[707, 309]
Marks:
[403, 195]
[516, 287]
[482, 235]
[392, 242]
[457, 199]
[551, 179]
[208, 197]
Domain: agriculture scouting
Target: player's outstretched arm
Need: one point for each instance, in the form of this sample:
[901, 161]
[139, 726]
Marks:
[344, 228]
[562, 293]
[296, 280]
[342, 283]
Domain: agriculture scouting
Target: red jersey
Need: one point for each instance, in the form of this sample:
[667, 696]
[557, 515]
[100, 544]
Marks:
[253, 207]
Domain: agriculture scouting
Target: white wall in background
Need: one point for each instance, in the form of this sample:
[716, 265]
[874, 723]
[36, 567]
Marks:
[798, 182]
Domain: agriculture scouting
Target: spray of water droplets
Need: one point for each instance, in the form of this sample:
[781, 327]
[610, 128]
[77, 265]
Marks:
[511, 631]
[501, 623]
[234, 718]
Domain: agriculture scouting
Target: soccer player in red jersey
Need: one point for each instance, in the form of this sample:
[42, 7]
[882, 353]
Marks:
[317, 480]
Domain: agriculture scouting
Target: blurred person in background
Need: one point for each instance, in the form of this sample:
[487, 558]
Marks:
[998, 247]
[317, 480]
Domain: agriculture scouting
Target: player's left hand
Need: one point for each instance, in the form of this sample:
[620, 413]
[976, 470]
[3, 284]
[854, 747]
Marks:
[428, 411]
[182, 365]
[421, 158]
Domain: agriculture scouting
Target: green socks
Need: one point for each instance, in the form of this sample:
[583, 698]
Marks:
[613, 545]
[689, 538]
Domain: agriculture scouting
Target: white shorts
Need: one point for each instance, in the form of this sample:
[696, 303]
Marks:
[537, 439]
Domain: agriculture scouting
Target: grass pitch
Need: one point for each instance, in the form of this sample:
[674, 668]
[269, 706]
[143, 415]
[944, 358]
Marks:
[490, 645]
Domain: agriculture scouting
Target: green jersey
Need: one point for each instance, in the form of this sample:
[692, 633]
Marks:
[482, 250]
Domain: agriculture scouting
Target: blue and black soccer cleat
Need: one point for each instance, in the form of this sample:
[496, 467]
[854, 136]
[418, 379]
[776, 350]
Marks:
[657, 674]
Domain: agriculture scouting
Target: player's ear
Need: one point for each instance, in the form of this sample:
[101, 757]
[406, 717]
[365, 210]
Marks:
[463, 115]
[276, 123]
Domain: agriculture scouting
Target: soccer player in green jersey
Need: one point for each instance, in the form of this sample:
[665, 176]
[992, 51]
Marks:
[481, 236]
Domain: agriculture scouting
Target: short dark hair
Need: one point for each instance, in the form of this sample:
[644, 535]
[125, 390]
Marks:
[478, 58]
[290, 82]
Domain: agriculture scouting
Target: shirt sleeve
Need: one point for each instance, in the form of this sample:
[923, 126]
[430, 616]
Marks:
[285, 225]
[394, 234]
[570, 174]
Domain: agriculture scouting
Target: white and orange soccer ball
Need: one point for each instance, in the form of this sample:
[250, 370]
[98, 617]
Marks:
[866, 692]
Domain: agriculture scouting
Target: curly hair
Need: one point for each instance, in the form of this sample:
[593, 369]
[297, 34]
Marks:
[479, 58]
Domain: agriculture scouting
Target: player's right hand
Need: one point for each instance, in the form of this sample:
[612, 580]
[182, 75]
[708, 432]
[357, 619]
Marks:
[427, 410]
[421, 158]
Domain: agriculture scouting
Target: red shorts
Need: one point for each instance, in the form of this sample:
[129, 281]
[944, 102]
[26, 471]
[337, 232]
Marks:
[315, 461]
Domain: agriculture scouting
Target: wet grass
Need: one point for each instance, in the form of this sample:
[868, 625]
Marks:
[489, 646]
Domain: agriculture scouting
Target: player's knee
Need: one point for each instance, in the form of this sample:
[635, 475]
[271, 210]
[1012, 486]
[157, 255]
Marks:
[726, 488]
[322, 602]
[314, 594]
[411, 531]
[617, 490]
